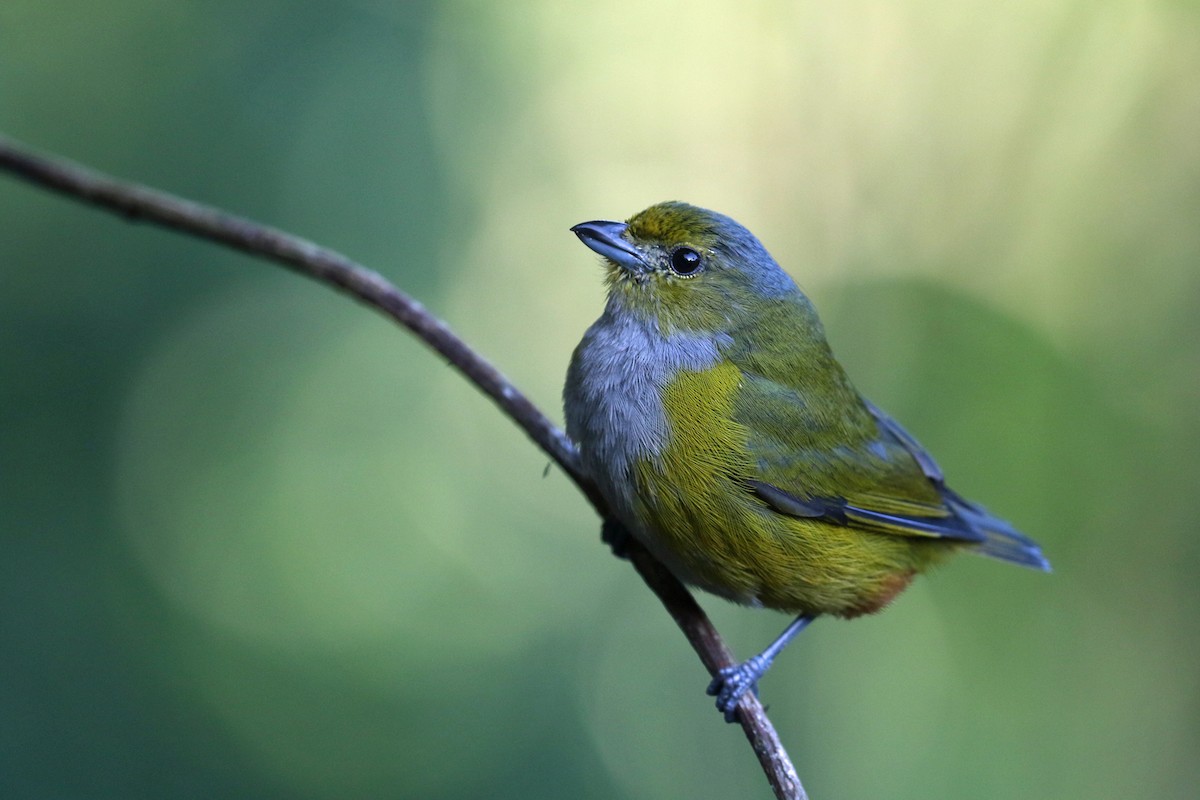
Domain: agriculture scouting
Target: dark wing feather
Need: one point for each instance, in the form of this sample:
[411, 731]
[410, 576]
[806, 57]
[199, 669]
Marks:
[892, 428]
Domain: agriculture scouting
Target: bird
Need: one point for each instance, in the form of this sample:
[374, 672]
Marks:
[715, 421]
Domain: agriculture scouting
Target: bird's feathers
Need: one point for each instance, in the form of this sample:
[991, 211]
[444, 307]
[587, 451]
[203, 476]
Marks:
[859, 467]
[714, 417]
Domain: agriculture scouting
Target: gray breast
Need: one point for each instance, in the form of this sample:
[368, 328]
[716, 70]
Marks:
[611, 398]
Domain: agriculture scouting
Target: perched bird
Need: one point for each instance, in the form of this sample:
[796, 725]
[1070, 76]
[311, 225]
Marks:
[713, 417]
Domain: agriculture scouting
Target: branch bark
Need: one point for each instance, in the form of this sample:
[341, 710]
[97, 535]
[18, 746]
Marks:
[141, 203]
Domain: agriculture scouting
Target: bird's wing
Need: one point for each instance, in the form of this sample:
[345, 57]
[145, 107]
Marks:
[998, 538]
[854, 467]
[819, 450]
[893, 429]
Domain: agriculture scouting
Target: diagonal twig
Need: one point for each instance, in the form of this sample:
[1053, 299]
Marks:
[140, 203]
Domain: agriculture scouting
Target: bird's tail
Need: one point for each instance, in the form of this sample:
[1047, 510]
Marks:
[1000, 540]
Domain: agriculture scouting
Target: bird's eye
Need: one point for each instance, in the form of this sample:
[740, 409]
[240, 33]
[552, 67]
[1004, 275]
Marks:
[685, 261]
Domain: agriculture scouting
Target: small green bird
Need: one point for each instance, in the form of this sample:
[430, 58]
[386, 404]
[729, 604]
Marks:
[713, 417]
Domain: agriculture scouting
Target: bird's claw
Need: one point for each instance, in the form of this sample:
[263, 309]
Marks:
[731, 683]
[617, 537]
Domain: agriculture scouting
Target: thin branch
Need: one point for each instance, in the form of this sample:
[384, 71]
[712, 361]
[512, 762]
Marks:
[140, 203]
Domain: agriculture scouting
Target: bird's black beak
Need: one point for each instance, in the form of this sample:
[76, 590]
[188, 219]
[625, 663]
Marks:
[606, 239]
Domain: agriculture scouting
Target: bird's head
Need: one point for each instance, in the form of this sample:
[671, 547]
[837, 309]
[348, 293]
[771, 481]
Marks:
[686, 268]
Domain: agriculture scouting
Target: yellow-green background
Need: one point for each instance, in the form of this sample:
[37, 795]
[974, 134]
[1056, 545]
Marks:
[256, 542]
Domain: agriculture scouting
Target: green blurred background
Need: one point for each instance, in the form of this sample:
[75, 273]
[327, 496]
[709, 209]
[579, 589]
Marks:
[256, 542]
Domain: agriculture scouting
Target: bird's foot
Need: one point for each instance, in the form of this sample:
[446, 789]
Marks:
[731, 683]
[616, 536]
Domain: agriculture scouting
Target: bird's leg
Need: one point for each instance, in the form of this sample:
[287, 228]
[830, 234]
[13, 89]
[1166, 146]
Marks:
[616, 536]
[732, 682]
